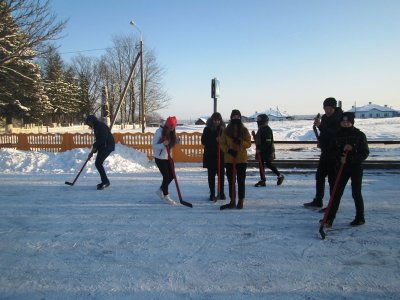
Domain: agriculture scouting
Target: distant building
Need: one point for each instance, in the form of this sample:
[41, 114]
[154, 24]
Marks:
[273, 115]
[374, 111]
[201, 121]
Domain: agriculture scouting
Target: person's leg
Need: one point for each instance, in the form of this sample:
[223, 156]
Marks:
[166, 172]
[100, 158]
[211, 172]
[356, 183]
[241, 178]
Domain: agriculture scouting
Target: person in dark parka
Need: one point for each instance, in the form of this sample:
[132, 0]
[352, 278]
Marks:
[265, 149]
[353, 141]
[328, 126]
[104, 144]
[210, 139]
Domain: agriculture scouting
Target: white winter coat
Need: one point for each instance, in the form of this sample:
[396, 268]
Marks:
[159, 149]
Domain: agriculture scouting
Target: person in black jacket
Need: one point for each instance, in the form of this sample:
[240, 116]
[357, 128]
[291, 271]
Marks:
[210, 139]
[104, 144]
[328, 126]
[265, 149]
[353, 141]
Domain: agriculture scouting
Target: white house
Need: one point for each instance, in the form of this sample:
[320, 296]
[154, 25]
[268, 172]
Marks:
[273, 115]
[374, 111]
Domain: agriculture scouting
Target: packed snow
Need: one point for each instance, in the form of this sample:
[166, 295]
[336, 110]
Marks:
[75, 242]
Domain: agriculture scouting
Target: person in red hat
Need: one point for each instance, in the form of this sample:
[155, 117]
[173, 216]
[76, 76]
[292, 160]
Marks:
[164, 137]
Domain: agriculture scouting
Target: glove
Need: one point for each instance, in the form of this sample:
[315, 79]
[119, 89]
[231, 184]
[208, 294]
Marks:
[232, 152]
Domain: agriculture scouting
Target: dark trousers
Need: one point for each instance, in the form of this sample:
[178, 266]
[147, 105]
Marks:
[323, 171]
[100, 158]
[270, 166]
[165, 169]
[355, 172]
[241, 179]
[212, 172]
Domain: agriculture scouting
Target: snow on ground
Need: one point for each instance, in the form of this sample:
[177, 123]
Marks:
[74, 242]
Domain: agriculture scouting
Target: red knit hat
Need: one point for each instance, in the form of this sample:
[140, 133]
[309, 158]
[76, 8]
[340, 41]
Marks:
[171, 121]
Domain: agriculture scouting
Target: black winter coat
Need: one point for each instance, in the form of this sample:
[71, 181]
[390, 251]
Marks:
[265, 143]
[209, 140]
[351, 136]
[328, 128]
[104, 138]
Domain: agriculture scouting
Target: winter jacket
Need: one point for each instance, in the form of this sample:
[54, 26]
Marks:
[104, 140]
[328, 128]
[159, 149]
[265, 142]
[351, 136]
[227, 143]
[209, 140]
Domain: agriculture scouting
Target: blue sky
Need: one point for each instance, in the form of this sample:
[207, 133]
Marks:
[289, 54]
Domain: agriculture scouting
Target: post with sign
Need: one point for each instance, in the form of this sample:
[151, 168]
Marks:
[215, 91]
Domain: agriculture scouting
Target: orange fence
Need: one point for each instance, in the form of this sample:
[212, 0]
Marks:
[189, 150]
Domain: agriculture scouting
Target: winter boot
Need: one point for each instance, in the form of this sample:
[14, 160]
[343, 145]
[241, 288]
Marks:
[222, 197]
[103, 185]
[230, 205]
[260, 183]
[160, 194]
[314, 204]
[357, 221]
[280, 179]
[240, 204]
[212, 198]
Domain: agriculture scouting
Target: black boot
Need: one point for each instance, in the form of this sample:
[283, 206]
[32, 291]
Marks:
[103, 185]
[358, 221]
[240, 204]
[212, 198]
[260, 183]
[222, 197]
[230, 205]
[314, 203]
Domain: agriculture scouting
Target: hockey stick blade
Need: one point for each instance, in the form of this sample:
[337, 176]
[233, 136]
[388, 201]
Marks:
[321, 232]
[69, 183]
[186, 203]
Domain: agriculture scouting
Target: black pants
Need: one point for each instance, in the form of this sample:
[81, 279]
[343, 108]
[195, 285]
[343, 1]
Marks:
[100, 158]
[355, 172]
[323, 171]
[270, 166]
[165, 169]
[212, 172]
[241, 179]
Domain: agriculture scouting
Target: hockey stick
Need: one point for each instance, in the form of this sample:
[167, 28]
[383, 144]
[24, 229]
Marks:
[328, 208]
[76, 178]
[171, 162]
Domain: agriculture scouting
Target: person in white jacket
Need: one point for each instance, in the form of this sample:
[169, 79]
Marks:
[164, 137]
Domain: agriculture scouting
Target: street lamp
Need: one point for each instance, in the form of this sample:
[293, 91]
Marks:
[141, 77]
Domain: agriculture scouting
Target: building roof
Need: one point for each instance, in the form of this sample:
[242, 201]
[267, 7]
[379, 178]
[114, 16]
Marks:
[370, 106]
[270, 112]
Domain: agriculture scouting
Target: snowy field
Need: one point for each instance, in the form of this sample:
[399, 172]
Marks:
[63, 242]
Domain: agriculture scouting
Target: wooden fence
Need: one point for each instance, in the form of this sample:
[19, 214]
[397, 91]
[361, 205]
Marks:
[189, 150]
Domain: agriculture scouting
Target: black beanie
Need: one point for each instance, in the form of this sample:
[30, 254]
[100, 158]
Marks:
[263, 118]
[348, 116]
[330, 102]
[236, 112]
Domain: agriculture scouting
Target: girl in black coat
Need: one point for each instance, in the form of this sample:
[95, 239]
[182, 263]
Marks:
[210, 140]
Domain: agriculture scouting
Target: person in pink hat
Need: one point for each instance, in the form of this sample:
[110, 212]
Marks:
[165, 136]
